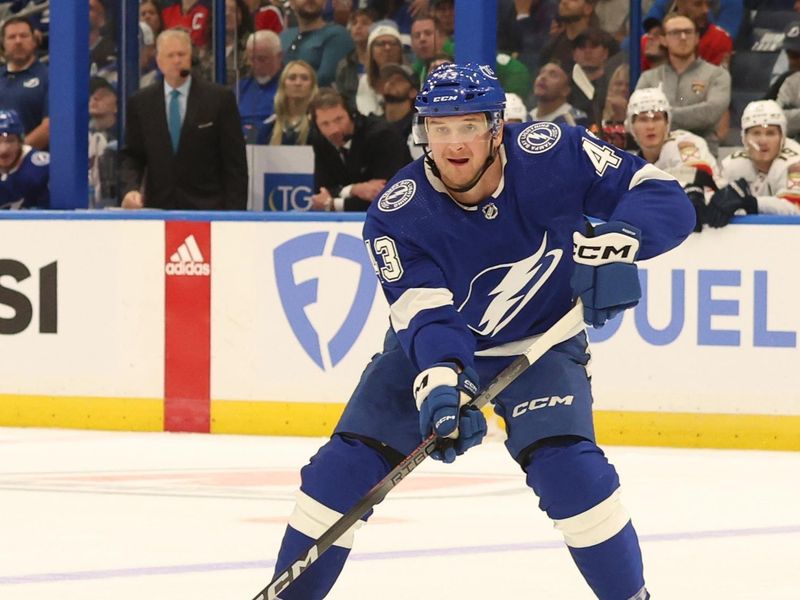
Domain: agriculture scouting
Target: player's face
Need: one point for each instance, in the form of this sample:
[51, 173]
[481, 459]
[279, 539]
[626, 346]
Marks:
[459, 146]
[763, 143]
[335, 124]
[10, 149]
[650, 130]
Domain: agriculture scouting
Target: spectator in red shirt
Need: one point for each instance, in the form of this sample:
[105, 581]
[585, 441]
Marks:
[191, 15]
[716, 46]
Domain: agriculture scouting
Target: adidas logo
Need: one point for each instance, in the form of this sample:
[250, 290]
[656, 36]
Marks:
[188, 260]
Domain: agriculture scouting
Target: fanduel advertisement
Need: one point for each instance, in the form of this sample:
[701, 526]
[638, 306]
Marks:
[296, 314]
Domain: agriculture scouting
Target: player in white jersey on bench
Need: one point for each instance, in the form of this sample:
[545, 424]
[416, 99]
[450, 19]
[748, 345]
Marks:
[764, 177]
[680, 153]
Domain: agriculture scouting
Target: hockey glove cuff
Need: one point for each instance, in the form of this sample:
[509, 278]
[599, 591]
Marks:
[440, 393]
[606, 278]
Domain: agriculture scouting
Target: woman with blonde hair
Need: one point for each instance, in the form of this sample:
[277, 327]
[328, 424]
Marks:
[290, 124]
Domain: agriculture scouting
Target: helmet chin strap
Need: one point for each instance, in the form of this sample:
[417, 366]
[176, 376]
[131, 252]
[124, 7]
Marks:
[472, 182]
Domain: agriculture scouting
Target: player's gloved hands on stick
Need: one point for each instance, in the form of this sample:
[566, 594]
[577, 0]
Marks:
[606, 277]
[728, 200]
[441, 393]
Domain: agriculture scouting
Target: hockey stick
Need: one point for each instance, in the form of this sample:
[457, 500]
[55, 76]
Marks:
[557, 333]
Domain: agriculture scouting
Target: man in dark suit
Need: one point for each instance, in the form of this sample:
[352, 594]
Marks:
[354, 156]
[183, 138]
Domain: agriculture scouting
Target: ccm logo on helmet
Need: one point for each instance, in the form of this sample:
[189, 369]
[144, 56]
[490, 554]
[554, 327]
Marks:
[445, 98]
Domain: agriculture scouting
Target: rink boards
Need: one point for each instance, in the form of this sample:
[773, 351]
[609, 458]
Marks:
[262, 324]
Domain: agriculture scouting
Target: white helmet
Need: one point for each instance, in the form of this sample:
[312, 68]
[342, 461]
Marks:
[763, 113]
[647, 100]
[515, 108]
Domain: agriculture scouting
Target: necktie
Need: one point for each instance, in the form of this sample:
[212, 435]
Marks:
[343, 154]
[174, 119]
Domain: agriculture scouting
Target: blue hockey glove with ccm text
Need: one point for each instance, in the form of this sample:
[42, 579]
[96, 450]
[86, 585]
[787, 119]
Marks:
[606, 277]
[441, 393]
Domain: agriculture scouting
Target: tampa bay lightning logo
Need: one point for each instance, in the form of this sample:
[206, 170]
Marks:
[320, 257]
[497, 294]
[539, 137]
[398, 195]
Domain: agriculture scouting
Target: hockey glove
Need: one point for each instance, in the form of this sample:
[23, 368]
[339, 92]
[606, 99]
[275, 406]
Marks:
[728, 200]
[441, 393]
[605, 278]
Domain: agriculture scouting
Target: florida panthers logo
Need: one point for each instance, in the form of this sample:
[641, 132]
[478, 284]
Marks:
[497, 294]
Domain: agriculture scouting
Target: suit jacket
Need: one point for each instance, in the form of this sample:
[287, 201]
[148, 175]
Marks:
[377, 151]
[209, 170]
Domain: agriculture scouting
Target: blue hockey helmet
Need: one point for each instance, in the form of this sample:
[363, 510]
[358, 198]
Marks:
[455, 89]
[10, 123]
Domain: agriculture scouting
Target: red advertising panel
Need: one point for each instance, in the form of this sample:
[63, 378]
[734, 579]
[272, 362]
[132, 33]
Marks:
[187, 272]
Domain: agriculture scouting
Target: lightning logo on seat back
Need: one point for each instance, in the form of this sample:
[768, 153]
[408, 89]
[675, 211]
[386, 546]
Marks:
[520, 283]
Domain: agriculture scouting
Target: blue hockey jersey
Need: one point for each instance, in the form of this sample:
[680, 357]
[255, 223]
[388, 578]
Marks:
[465, 279]
[27, 186]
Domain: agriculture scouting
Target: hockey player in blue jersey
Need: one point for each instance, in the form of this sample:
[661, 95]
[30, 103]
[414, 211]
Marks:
[480, 246]
[24, 172]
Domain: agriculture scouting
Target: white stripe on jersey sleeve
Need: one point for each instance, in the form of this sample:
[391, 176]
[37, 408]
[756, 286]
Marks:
[415, 300]
[649, 172]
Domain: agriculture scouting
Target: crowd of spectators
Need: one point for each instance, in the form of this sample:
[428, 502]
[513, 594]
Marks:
[559, 60]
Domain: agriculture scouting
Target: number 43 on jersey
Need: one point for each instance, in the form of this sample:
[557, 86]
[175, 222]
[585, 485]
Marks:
[384, 246]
